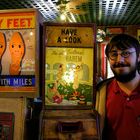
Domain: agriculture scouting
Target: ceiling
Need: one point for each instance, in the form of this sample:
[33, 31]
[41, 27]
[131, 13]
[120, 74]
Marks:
[101, 12]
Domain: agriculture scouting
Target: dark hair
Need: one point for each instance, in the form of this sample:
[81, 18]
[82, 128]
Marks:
[122, 42]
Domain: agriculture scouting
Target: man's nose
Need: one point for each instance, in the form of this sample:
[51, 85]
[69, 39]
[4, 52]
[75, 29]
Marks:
[120, 58]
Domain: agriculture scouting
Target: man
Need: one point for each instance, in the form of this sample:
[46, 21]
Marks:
[118, 98]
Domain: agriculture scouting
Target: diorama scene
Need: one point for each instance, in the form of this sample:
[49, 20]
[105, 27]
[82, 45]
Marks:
[68, 76]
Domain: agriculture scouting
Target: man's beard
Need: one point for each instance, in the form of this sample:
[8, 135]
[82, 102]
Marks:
[125, 77]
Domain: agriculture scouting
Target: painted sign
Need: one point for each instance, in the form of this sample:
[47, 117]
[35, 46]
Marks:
[17, 51]
[17, 20]
[70, 36]
[114, 30]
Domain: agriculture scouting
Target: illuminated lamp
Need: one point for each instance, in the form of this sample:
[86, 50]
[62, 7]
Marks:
[100, 36]
[63, 17]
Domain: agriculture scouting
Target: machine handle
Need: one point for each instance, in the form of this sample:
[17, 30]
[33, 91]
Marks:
[70, 127]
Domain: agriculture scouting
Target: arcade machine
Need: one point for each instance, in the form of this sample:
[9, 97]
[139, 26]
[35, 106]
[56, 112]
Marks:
[69, 83]
[19, 69]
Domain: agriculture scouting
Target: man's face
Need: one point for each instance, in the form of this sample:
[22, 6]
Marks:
[123, 64]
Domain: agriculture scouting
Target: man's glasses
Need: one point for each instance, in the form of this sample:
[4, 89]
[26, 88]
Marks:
[114, 54]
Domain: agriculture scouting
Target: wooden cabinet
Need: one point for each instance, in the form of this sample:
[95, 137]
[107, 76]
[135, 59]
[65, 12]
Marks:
[70, 125]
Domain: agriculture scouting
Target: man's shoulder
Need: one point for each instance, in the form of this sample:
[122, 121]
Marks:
[104, 82]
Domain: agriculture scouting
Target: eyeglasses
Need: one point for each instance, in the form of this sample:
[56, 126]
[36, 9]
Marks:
[114, 54]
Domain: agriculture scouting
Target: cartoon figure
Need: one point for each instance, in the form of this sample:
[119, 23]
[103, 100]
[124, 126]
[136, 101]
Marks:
[76, 78]
[17, 51]
[60, 72]
[54, 94]
[2, 47]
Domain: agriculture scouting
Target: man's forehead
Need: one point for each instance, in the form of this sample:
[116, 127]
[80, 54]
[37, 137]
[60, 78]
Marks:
[114, 48]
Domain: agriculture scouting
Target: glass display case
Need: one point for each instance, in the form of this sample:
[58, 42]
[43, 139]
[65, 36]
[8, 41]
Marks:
[69, 65]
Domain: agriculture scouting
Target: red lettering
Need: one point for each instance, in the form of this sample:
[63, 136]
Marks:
[16, 23]
[29, 21]
[22, 22]
[1, 22]
[9, 22]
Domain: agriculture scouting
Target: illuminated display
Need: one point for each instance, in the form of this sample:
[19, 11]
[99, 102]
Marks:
[69, 66]
[18, 51]
[69, 75]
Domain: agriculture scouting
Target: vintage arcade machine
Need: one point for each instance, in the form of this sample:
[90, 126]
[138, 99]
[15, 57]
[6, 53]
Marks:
[69, 82]
[19, 69]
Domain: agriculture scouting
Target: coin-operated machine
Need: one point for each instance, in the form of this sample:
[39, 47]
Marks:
[19, 68]
[69, 82]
